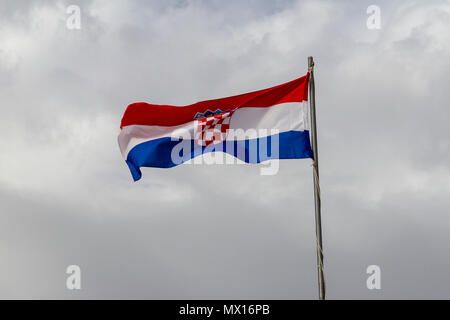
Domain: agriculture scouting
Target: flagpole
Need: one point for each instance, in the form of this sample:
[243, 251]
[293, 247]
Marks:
[315, 165]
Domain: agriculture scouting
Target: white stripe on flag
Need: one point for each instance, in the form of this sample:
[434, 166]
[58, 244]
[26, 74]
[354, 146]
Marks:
[282, 117]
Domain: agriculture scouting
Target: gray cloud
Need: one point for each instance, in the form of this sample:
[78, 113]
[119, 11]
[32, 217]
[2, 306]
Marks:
[66, 196]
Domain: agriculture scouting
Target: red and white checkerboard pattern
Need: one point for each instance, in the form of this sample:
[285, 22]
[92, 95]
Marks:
[212, 130]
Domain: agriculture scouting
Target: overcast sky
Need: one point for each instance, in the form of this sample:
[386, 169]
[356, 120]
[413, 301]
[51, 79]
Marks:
[210, 232]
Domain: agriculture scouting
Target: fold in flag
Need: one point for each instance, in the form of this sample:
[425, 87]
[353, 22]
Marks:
[247, 126]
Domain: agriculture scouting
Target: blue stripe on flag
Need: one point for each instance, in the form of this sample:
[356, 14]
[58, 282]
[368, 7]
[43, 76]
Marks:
[157, 153]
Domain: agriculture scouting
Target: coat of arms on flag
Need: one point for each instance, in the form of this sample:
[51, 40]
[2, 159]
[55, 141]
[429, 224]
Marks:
[211, 129]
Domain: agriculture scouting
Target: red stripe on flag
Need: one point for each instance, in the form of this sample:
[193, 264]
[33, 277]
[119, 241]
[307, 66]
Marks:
[142, 113]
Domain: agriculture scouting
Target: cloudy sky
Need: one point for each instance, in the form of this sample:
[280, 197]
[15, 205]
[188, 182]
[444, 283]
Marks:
[210, 232]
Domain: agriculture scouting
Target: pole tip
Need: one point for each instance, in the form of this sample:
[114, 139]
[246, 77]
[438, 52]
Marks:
[310, 61]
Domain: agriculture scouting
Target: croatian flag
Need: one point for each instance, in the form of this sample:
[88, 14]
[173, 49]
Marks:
[253, 127]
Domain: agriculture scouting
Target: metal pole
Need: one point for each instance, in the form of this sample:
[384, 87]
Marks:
[312, 103]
